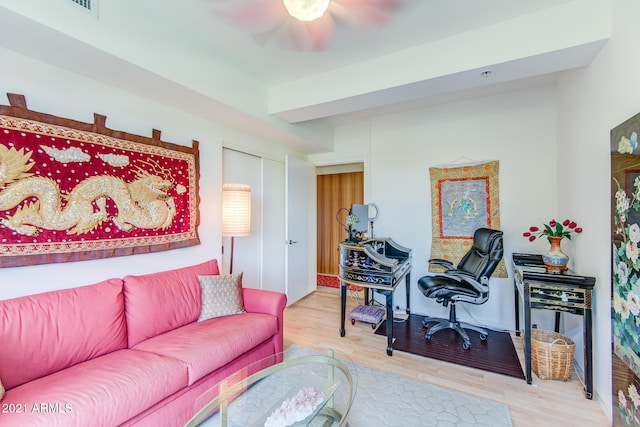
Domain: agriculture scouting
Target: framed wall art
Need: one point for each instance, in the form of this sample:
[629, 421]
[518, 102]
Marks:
[72, 191]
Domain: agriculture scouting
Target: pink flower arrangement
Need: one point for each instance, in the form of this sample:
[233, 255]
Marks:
[553, 229]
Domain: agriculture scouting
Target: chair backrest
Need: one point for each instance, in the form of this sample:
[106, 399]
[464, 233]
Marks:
[485, 254]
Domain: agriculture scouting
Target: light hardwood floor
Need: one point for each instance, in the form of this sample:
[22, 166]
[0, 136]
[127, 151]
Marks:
[314, 322]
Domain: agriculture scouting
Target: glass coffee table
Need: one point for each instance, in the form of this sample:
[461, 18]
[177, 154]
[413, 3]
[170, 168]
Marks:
[311, 389]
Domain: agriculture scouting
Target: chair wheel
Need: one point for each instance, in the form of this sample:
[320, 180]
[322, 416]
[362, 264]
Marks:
[466, 345]
[483, 337]
[427, 337]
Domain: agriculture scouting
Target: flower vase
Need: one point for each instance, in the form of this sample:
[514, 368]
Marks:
[555, 261]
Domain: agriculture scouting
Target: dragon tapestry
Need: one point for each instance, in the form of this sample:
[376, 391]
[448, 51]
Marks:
[463, 199]
[72, 191]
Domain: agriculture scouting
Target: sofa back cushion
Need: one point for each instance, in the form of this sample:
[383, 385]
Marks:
[44, 333]
[160, 302]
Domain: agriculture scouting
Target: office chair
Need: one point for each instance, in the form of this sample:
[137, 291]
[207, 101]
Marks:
[468, 282]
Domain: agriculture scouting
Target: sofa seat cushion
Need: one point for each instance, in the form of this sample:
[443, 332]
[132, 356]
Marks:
[47, 332]
[105, 391]
[208, 345]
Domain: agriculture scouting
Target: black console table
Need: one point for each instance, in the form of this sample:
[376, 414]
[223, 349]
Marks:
[566, 292]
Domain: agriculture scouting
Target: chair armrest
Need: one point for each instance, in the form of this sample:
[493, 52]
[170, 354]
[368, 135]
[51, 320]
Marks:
[442, 263]
[460, 273]
[462, 276]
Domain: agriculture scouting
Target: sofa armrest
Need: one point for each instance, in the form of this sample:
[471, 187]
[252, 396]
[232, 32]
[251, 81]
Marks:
[268, 302]
[261, 301]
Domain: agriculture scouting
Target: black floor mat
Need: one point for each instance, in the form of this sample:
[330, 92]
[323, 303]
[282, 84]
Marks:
[496, 354]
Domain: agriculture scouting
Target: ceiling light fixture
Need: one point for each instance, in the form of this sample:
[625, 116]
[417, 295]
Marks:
[304, 25]
[306, 10]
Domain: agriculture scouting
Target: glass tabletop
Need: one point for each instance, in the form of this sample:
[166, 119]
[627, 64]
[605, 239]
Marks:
[300, 388]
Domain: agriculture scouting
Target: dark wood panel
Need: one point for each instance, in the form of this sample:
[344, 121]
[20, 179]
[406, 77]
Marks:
[334, 191]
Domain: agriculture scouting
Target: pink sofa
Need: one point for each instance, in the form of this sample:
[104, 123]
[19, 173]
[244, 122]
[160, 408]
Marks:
[126, 351]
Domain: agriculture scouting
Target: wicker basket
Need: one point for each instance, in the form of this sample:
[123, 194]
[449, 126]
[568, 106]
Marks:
[551, 355]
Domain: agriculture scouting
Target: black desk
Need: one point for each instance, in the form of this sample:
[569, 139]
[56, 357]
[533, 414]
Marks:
[378, 265]
[567, 292]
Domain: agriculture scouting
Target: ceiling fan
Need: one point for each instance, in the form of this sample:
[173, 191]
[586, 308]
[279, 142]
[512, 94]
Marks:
[303, 25]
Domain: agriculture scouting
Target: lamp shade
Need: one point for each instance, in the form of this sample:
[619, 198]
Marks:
[236, 210]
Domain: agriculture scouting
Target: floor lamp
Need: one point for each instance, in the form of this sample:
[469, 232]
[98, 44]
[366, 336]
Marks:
[236, 213]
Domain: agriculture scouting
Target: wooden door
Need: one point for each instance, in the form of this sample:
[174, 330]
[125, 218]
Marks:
[335, 191]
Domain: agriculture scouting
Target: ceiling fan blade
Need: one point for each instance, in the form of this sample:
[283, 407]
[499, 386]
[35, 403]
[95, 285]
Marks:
[300, 36]
[364, 12]
[251, 15]
[315, 35]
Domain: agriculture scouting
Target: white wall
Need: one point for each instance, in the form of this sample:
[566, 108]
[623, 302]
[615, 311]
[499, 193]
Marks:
[55, 91]
[517, 129]
[591, 102]
[352, 145]
[527, 131]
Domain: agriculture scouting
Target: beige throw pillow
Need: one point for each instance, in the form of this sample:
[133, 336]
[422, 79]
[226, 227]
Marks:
[221, 295]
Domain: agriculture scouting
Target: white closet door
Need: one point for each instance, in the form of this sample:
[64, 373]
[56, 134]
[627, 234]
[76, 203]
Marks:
[260, 256]
[273, 226]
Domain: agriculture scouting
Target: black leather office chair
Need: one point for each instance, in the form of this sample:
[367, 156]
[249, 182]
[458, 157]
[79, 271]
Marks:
[468, 282]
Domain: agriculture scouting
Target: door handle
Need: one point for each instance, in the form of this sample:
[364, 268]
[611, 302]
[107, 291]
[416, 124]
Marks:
[291, 242]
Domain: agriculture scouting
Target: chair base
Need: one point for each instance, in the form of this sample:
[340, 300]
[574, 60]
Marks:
[459, 327]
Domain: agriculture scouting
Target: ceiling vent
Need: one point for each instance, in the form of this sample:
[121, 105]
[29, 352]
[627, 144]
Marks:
[89, 6]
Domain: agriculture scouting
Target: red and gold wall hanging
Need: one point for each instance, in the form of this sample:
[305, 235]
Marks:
[463, 199]
[72, 191]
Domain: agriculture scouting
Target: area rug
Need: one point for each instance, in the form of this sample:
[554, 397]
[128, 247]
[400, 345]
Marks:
[388, 400]
[496, 354]
[328, 280]
[331, 281]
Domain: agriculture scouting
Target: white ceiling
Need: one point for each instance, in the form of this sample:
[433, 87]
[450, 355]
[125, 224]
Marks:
[428, 52]
[416, 22]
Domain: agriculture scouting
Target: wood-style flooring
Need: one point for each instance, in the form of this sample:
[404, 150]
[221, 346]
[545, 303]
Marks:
[314, 322]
